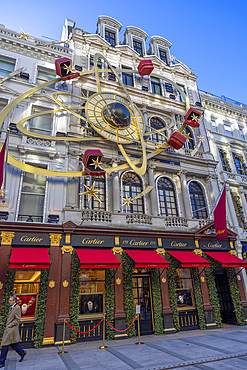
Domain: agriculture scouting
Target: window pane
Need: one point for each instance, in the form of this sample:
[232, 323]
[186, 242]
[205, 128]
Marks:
[198, 202]
[110, 37]
[6, 67]
[132, 186]
[137, 46]
[184, 289]
[92, 288]
[41, 124]
[167, 199]
[45, 76]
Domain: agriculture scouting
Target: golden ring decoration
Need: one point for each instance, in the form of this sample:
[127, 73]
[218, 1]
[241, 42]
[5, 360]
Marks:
[135, 132]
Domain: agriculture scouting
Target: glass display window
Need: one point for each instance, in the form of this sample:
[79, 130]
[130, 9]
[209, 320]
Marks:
[184, 289]
[92, 289]
[26, 288]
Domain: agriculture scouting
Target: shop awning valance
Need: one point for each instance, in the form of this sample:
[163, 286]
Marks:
[147, 259]
[97, 259]
[189, 259]
[29, 258]
[227, 259]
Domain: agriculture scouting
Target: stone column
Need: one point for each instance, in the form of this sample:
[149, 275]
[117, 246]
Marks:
[185, 194]
[115, 188]
[120, 322]
[153, 194]
[213, 189]
[241, 289]
[166, 308]
[232, 212]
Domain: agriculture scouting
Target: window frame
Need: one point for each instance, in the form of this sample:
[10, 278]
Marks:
[129, 209]
[127, 75]
[177, 210]
[113, 32]
[200, 209]
[155, 85]
[10, 60]
[83, 197]
[139, 42]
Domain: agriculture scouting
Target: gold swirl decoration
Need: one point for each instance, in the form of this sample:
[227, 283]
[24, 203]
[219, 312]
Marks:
[95, 107]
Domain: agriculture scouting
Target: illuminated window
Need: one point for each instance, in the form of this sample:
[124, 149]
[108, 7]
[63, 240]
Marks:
[92, 289]
[184, 289]
[198, 202]
[167, 197]
[132, 186]
[26, 288]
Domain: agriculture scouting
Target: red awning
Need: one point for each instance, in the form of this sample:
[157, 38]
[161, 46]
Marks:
[29, 258]
[148, 259]
[97, 259]
[227, 259]
[189, 259]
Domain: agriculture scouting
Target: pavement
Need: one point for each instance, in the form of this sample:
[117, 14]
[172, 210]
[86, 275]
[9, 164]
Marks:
[224, 348]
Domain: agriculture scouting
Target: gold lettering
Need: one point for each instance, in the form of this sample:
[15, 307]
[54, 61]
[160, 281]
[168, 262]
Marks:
[25, 238]
[220, 232]
[216, 245]
[92, 241]
[178, 244]
[138, 242]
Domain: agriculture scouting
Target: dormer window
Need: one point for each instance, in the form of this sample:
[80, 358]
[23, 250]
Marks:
[137, 46]
[163, 56]
[110, 37]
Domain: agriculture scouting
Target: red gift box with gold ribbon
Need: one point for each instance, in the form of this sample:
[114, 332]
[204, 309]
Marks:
[92, 160]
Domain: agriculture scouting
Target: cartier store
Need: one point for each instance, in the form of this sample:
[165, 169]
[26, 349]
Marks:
[75, 274]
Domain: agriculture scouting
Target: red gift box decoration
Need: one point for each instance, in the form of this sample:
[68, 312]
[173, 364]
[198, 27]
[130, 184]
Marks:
[176, 140]
[92, 159]
[64, 69]
[192, 117]
[145, 67]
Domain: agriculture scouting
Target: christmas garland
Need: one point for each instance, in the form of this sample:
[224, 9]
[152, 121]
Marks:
[236, 298]
[74, 297]
[199, 299]
[239, 164]
[109, 302]
[128, 265]
[41, 309]
[159, 325]
[8, 292]
[173, 265]
[224, 161]
[239, 210]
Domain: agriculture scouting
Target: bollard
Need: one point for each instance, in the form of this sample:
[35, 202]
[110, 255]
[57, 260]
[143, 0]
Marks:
[103, 347]
[139, 332]
[63, 351]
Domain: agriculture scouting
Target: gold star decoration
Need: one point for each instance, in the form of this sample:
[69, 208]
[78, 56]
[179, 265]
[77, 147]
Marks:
[201, 138]
[96, 163]
[68, 69]
[188, 137]
[24, 35]
[91, 192]
[128, 201]
[194, 117]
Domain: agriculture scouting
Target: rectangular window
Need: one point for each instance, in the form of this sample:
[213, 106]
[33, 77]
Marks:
[224, 161]
[241, 133]
[214, 126]
[92, 289]
[110, 37]
[111, 75]
[137, 46]
[100, 64]
[7, 66]
[26, 288]
[239, 164]
[45, 75]
[163, 56]
[41, 124]
[179, 94]
[184, 289]
[127, 78]
[228, 129]
[32, 197]
[155, 85]
[100, 185]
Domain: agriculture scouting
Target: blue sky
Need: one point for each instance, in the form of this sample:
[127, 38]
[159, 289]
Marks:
[208, 36]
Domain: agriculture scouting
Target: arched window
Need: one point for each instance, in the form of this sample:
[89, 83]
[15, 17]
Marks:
[198, 202]
[131, 187]
[157, 124]
[167, 197]
[100, 184]
[190, 143]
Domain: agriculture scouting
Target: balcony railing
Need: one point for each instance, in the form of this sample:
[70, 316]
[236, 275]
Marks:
[30, 218]
[98, 216]
[175, 221]
[137, 218]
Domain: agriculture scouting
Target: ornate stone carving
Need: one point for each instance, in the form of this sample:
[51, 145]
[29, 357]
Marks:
[202, 279]
[163, 280]
[160, 251]
[118, 281]
[7, 237]
[55, 239]
[1, 285]
[117, 250]
[67, 249]
[233, 253]
[198, 252]
[116, 240]
[65, 283]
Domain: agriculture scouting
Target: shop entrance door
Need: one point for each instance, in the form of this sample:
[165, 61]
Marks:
[143, 297]
[225, 299]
